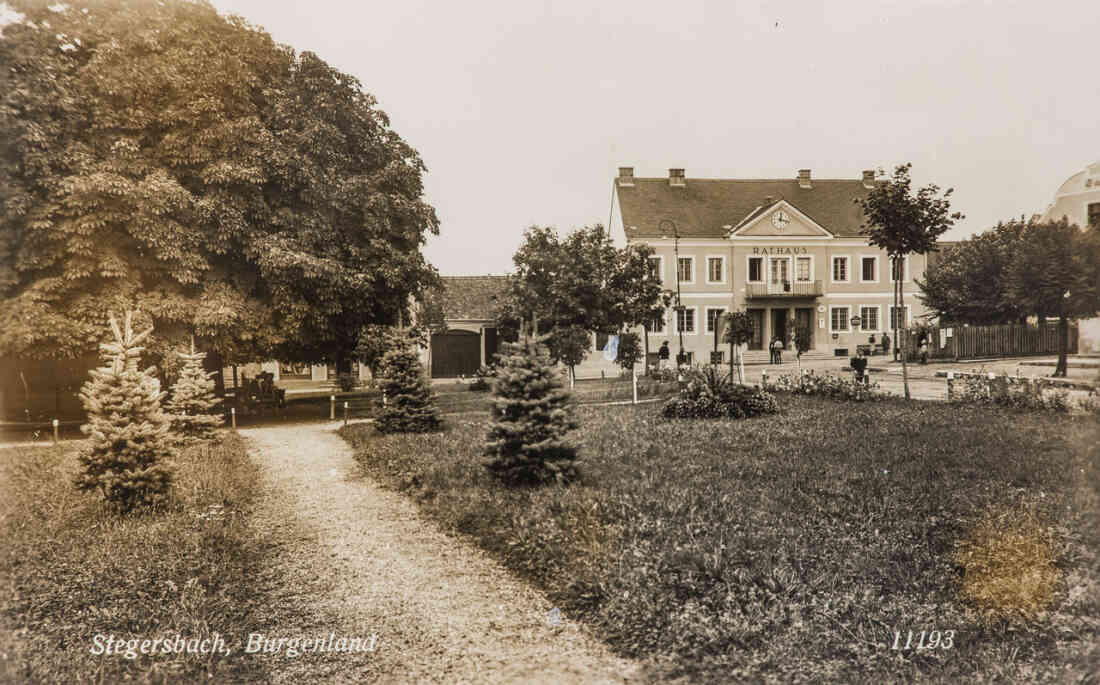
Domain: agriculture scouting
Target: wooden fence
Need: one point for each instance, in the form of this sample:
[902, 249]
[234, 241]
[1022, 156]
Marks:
[978, 342]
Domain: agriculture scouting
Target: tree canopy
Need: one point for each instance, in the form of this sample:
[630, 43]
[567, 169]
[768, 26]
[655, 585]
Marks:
[161, 157]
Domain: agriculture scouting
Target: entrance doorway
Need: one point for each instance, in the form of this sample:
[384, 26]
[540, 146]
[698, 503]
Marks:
[757, 342]
[804, 318]
[779, 325]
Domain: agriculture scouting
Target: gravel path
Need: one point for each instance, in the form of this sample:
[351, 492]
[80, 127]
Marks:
[363, 558]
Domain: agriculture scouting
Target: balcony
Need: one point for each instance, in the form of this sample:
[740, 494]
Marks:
[783, 289]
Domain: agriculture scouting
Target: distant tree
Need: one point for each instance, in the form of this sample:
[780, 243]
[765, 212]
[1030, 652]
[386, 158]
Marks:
[967, 283]
[739, 331]
[803, 338]
[530, 420]
[193, 405]
[129, 442]
[569, 345]
[630, 350]
[902, 223]
[159, 156]
[1057, 271]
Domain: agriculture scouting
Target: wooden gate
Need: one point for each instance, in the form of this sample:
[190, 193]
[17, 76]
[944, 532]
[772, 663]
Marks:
[455, 353]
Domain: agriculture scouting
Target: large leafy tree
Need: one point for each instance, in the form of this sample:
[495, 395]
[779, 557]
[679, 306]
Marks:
[581, 281]
[162, 157]
[902, 221]
[1057, 272]
[967, 283]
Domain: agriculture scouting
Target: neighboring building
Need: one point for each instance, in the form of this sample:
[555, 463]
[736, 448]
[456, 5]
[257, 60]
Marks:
[470, 341]
[1078, 199]
[782, 249]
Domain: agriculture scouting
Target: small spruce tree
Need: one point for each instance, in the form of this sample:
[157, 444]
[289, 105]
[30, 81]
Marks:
[530, 419]
[409, 407]
[129, 444]
[193, 405]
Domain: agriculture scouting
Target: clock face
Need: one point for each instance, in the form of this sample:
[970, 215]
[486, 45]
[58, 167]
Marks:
[780, 220]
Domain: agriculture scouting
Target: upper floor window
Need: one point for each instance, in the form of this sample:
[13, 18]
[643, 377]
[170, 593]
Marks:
[685, 266]
[1094, 214]
[655, 268]
[868, 268]
[756, 269]
[840, 269]
[802, 269]
[715, 269]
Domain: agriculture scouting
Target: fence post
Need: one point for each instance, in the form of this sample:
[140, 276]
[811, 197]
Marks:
[989, 383]
[764, 379]
[233, 417]
[332, 407]
[345, 413]
[950, 383]
[55, 435]
[634, 378]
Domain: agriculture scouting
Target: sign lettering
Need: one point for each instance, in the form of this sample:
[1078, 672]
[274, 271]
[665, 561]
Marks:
[779, 250]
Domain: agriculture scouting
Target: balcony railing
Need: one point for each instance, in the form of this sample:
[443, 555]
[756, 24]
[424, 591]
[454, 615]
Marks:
[783, 289]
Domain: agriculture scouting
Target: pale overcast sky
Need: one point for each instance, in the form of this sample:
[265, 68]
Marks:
[523, 110]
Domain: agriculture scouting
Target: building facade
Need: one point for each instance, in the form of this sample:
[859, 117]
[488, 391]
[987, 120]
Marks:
[788, 251]
[1078, 200]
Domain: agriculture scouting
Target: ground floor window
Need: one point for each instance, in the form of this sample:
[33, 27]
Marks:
[685, 319]
[839, 316]
[868, 319]
[714, 315]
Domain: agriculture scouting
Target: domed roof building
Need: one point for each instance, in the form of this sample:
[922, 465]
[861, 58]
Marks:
[1078, 198]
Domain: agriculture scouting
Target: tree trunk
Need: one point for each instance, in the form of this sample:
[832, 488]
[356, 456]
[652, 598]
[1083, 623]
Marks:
[572, 377]
[894, 321]
[905, 343]
[645, 355]
[1063, 334]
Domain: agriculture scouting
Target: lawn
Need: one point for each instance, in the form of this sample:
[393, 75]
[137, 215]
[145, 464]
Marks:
[792, 547]
[71, 569]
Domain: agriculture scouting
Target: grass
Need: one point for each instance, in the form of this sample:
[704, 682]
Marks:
[792, 547]
[71, 569]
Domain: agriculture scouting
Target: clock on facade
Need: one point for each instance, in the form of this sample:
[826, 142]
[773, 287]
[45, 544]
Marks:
[780, 220]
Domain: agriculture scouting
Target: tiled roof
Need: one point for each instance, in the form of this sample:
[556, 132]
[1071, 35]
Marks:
[702, 207]
[472, 297]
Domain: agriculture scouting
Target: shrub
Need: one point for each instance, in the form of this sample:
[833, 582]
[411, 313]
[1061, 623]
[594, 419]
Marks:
[826, 385]
[1033, 394]
[483, 378]
[409, 406]
[129, 439]
[529, 421]
[193, 405]
[709, 394]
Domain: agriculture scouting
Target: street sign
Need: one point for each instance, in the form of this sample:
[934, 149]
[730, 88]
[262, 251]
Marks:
[855, 320]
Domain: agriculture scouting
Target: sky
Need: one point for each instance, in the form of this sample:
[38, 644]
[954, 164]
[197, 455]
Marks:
[522, 111]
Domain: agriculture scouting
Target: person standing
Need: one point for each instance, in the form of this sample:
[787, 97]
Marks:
[662, 355]
[885, 344]
[777, 351]
[859, 365]
[924, 351]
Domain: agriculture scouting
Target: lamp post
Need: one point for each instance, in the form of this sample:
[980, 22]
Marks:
[663, 226]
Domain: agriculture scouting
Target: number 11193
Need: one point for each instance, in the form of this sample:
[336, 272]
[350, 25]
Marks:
[944, 640]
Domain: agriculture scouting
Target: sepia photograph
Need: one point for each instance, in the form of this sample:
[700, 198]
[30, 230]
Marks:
[549, 341]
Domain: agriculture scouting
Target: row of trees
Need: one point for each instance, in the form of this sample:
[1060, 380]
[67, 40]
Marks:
[160, 157]
[1017, 270]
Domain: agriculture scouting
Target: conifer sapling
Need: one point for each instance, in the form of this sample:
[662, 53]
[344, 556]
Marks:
[409, 407]
[193, 405]
[129, 443]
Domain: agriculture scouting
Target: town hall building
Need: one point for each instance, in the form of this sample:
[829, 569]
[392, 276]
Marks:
[784, 250]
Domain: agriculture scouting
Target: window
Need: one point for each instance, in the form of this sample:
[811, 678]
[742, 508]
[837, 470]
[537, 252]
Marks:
[899, 319]
[655, 268]
[900, 266]
[868, 269]
[840, 269]
[1094, 214]
[802, 270]
[780, 271]
[715, 270]
[685, 320]
[684, 268]
[756, 269]
[868, 319]
[839, 319]
[713, 316]
[657, 325]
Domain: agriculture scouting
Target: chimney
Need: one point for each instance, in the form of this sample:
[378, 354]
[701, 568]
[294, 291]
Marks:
[626, 176]
[868, 178]
[804, 178]
[676, 177]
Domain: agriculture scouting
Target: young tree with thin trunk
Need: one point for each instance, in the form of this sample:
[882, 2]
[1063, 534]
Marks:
[905, 222]
[739, 328]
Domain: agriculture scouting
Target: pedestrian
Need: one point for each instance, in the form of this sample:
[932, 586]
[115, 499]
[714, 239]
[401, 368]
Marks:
[885, 344]
[662, 355]
[777, 351]
[859, 365]
[924, 351]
